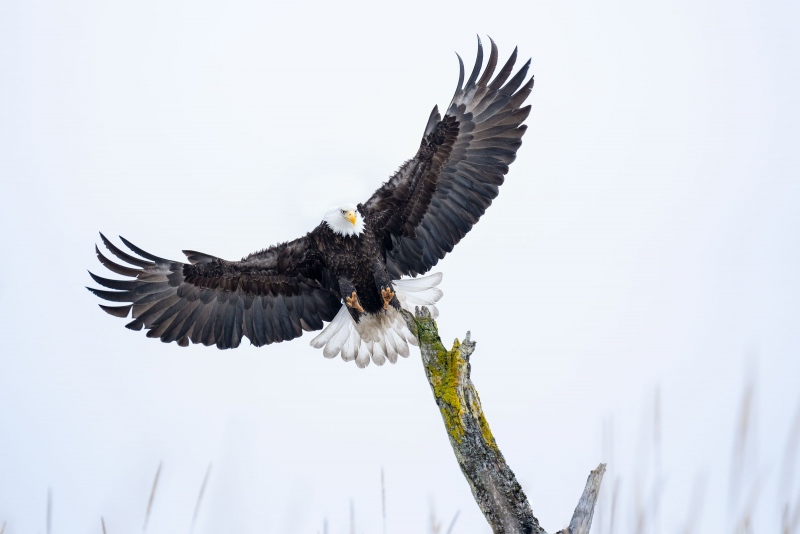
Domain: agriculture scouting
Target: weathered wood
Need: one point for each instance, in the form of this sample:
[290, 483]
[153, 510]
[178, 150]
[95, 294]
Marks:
[582, 518]
[493, 484]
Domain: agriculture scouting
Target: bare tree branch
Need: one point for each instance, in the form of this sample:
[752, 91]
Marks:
[493, 484]
[582, 518]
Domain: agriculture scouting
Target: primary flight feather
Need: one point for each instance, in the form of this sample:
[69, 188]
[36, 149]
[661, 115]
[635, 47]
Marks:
[349, 270]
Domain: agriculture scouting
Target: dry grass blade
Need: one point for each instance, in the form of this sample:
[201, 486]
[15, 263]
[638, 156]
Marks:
[791, 515]
[434, 526]
[794, 524]
[790, 457]
[49, 510]
[3, 529]
[383, 500]
[200, 498]
[611, 510]
[152, 497]
[744, 525]
[790, 520]
[657, 483]
[453, 523]
[740, 443]
[640, 513]
[102, 524]
[695, 505]
[741, 501]
[605, 512]
[614, 501]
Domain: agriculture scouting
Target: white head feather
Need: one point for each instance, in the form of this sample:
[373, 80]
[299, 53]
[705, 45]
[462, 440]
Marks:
[345, 220]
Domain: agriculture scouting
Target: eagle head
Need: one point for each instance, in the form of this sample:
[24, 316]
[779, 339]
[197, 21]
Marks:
[345, 220]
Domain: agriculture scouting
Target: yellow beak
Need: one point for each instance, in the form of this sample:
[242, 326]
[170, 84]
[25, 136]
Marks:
[351, 216]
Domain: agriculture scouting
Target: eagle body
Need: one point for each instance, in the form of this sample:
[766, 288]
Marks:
[358, 261]
[362, 264]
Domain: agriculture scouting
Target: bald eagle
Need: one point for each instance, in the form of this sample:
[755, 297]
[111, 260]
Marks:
[349, 270]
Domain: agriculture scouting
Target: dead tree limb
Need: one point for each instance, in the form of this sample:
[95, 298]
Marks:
[493, 484]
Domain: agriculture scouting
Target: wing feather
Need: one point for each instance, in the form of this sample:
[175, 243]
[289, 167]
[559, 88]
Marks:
[186, 319]
[434, 199]
[269, 296]
[259, 334]
[490, 65]
[115, 267]
[136, 325]
[117, 311]
[124, 256]
[228, 325]
[505, 72]
[476, 70]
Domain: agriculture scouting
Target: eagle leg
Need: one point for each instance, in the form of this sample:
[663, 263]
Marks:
[387, 295]
[352, 302]
[384, 283]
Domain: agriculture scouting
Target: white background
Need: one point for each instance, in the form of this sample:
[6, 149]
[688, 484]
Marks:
[647, 239]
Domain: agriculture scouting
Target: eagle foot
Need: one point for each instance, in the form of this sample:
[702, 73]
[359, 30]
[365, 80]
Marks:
[387, 295]
[352, 302]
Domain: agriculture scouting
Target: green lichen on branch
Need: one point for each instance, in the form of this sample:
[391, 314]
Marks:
[443, 368]
[448, 372]
[493, 484]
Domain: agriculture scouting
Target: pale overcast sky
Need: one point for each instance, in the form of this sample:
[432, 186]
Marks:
[647, 237]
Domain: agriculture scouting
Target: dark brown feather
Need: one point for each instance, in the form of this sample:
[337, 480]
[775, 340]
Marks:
[204, 301]
[434, 199]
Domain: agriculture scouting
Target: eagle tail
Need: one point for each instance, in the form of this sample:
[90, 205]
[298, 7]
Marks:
[381, 336]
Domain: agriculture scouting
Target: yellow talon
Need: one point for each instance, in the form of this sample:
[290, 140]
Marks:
[352, 301]
[387, 295]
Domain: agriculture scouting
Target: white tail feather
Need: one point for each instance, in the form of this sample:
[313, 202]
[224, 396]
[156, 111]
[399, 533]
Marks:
[378, 355]
[333, 327]
[425, 297]
[337, 341]
[383, 335]
[400, 345]
[411, 285]
[391, 346]
[363, 360]
[350, 348]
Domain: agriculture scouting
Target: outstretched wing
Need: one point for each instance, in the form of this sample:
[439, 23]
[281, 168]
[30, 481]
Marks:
[434, 199]
[268, 297]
